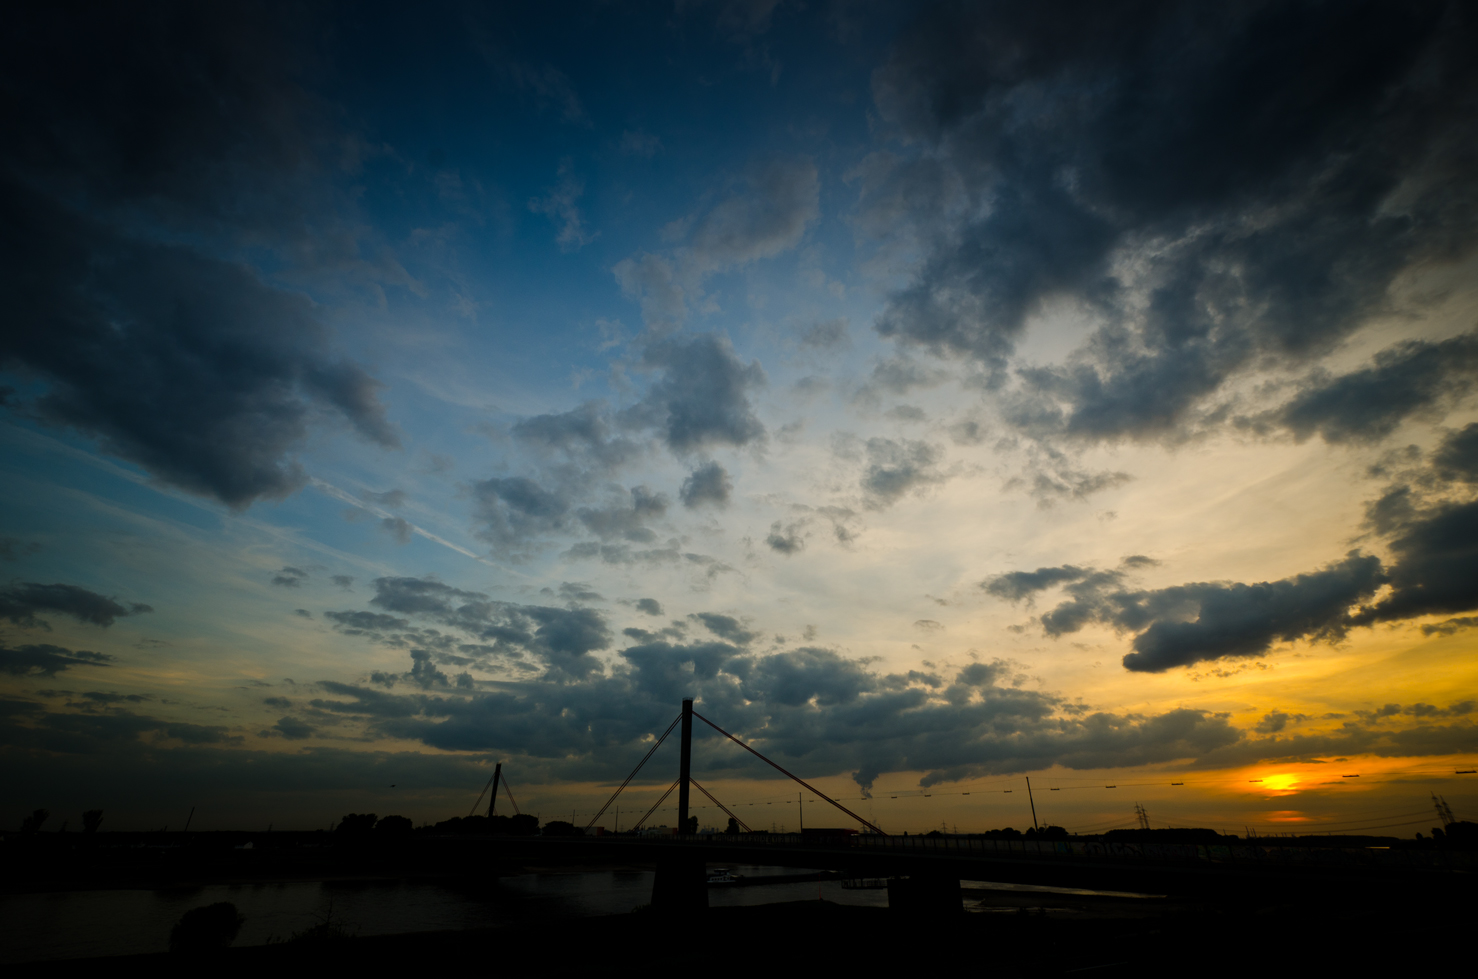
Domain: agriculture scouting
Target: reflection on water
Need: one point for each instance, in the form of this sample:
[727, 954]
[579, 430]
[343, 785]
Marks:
[78, 924]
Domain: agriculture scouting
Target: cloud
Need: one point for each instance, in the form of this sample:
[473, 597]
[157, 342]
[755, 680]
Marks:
[560, 204]
[293, 729]
[1213, 192]
[1435, 565]
[1456, 459]
[653, 280]
[708, 484]
[12, 548]
[187, 364]
[398, 528]
[701, 397]
[562, 639]
[626, 522]
[20, 601]
[1368, 404]
[649, 606]
[767, 215]
[896, 467]
[726, 627]
[511, 510]
[786, 540]
[825, 334]
[344, 581]
[1015, 586]
[289, 577]
[583, 435]
[390, 498]
[1189, 623]
[45, 659]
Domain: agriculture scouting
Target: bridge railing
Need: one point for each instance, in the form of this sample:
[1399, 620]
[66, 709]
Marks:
[1086, 850]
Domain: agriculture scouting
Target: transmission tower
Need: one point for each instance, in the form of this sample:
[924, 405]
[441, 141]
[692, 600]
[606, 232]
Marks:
[1444, 811]
[1142, 816]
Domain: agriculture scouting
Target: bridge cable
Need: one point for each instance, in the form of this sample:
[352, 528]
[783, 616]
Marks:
[634, 771]
[720, 805]
[516, 810]
[656, 804]
[784, 772]
[479, 797]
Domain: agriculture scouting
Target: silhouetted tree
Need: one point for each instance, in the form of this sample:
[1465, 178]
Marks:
[206, 929]
[558, 827]
[355, 825]
[733, 827]
[91, 820]
[523, 825]
[1048, 833]
[33, 822]
[393, 826]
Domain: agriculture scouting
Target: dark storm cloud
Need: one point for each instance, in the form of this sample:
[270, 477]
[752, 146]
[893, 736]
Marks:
[1435, 565]
[183, 120]
[896, 467]
[649, 605]
[44, 659]
[1186, 624]
[1367, 405]
[21, 601]
[1218, 186]
[708, 484]
[1456, 459]
[701, 397]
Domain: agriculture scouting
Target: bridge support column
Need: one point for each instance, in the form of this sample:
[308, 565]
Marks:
[930, 895]
[681, 886]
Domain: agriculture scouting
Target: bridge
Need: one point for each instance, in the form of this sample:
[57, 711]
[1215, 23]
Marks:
[924, 872]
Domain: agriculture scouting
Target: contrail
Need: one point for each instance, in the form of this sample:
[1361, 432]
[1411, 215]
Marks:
[353, 500]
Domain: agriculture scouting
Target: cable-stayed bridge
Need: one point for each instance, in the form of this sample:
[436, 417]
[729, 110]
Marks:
[924, 872]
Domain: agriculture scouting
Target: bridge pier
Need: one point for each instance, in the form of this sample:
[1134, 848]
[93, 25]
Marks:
[925, 894]
[681, 885]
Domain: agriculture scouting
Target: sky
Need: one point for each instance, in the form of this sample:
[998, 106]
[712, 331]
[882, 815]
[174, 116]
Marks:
[940, 394]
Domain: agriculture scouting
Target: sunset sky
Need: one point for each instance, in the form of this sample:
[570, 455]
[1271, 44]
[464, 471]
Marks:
[939, 394]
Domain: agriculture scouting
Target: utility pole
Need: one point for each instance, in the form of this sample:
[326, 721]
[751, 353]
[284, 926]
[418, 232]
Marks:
[497, 777]
[685, 767]
[801, 808]
[1033, 802]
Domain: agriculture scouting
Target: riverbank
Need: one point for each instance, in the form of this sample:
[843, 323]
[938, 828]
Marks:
[1273, 940]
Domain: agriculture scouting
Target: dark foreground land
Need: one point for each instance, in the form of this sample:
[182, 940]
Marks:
[1270, 940]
